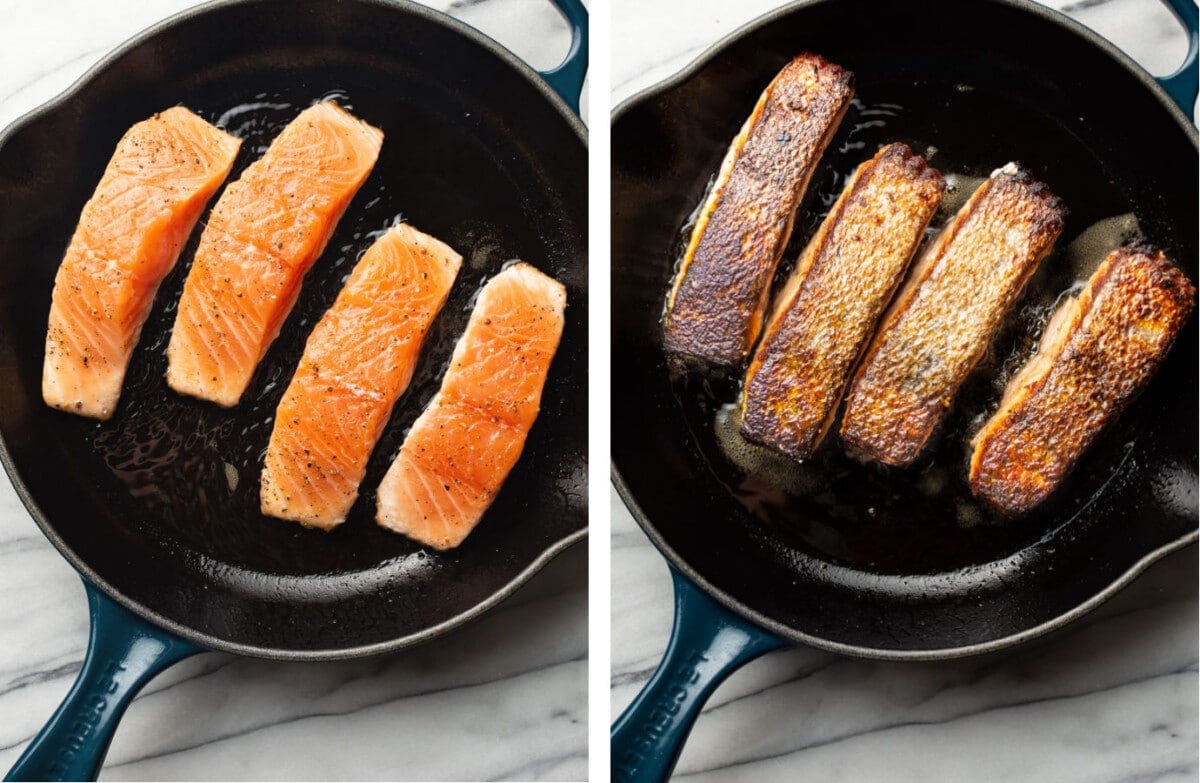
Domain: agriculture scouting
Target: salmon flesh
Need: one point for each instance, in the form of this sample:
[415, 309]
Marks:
[462, 447]
[129, 236]
[264, 233]
[357, 363]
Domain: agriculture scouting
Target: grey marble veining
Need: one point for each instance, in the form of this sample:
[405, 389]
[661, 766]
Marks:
[503, 698]
[1112, 699]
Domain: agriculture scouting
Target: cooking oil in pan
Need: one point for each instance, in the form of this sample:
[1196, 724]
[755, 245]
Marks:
[924, 519]
[920, 520]
[191, 468]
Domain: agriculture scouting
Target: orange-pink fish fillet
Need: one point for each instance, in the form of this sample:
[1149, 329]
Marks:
[358, 360]
[129, 236]
[265, 232]
[462, 447]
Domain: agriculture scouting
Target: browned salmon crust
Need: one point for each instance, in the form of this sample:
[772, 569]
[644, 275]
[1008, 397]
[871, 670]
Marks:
[716, 305]
[942, 320]
[1098, 352]
[841, 284]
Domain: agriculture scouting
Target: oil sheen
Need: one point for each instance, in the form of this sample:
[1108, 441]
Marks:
[920, 520]
[191, 468]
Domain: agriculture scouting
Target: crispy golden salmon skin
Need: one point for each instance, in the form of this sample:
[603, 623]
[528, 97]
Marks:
[940, 324]
[463, 445]
[264, 233]
[716, 304]
[129, 237]
[1098, 351]
[827, 312]
[357, 362]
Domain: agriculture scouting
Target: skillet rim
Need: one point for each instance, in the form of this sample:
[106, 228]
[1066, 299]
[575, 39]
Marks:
[90, 576]
[782, 630]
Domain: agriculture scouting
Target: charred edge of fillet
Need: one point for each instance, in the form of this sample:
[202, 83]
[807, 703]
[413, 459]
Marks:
[715, 307]
[916, 167]
[1052, 211]
[894, 165]
[1016, 489]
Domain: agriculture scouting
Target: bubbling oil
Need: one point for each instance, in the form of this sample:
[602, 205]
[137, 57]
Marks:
[924, 519]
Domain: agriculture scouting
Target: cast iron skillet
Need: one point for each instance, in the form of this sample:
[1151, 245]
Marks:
[898, 565]
[480, 152]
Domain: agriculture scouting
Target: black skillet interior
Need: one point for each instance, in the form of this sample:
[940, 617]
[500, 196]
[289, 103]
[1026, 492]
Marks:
[844, 555]
[161, 502]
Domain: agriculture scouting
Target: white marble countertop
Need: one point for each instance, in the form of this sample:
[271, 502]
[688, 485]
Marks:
[503, 698]
[1113, 698]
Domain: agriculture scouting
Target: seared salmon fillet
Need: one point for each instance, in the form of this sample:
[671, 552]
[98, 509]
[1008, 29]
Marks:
[129, 236]
[717, 301]
[827, 312]
[463, 445]
[357, 362]
[1098, 351]
[940, 324]
[264, 233]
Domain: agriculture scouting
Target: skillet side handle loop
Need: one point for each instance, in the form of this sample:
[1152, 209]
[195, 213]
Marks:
[1183, 84]
[567, 77]
[124, 653]
[708, 643]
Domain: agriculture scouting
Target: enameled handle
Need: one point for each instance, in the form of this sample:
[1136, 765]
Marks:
[567, 77]
[1182, 85]
[708, 643]
[124, 653]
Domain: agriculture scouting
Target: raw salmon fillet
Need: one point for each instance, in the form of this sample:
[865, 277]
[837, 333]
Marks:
[1098, 351]
[716, 305]
[462, 447]
[264, 233]
[940, 324]
[826, 314]
[358, 361]
[129, 236]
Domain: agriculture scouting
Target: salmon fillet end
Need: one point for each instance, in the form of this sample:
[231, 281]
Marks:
[232, 299]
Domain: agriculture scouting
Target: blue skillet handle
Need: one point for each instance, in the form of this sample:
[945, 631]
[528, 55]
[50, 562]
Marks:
[124, 653]
[708, 643]
[566, 78]
[1182, 85]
